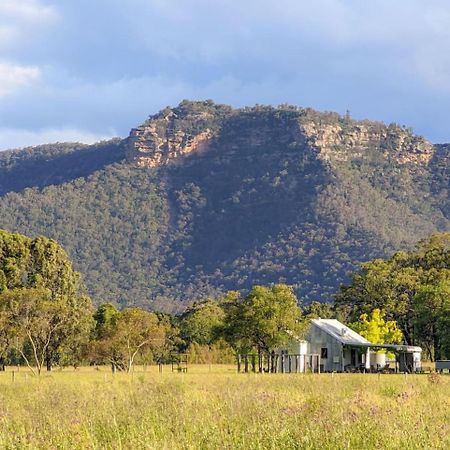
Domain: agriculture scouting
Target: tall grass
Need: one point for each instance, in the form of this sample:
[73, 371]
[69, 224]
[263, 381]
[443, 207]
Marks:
[212, 407]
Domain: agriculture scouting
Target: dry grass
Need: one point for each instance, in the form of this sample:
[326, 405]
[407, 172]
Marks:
[215, 408]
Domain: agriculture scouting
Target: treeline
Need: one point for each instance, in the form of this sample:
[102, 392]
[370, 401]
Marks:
[208, 331]
[42, 330]
[45, 319]
[411, 288]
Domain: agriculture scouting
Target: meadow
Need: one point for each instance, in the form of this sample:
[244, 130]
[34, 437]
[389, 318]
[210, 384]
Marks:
[213, 407]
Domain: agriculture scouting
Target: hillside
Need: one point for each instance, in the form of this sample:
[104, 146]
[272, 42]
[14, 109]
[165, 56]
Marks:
[203, 198]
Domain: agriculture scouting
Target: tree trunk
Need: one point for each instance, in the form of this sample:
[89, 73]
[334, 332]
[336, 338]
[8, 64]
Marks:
[49, 364]
[429, 351]
[437, 349]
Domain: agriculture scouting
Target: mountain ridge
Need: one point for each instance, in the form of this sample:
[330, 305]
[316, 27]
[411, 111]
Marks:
[203, 198]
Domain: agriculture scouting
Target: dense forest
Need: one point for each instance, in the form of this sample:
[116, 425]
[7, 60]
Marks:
[273, 195]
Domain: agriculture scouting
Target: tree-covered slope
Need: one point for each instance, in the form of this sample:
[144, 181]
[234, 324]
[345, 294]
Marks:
[203, 198]
[55, 163]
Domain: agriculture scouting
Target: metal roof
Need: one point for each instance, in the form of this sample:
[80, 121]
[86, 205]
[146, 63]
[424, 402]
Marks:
[340, 332]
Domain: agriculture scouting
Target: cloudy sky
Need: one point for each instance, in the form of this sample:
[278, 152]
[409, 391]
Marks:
[85, 70]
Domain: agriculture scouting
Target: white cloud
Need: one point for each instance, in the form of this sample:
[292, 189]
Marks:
[27, 10]
[18, 138]
[23, 21]
[13, 77]
[380, 59]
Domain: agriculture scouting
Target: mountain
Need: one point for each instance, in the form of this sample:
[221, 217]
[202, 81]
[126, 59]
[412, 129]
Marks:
[203, 198]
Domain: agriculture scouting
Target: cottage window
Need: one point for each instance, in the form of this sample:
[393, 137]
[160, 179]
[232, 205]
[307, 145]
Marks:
[324, 352]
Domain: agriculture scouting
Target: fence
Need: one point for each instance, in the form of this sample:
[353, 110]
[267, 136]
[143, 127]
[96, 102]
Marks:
[278, 363]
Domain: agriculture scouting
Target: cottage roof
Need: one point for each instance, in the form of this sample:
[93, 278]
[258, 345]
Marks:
[340, 332]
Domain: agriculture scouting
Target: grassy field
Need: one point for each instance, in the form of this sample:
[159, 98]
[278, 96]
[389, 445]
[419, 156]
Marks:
[215, 408]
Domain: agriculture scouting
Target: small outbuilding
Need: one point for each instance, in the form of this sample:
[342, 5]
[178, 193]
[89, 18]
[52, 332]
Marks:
[331, 346]
[338, 345]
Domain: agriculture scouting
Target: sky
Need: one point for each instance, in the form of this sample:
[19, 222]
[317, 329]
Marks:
[88, 70]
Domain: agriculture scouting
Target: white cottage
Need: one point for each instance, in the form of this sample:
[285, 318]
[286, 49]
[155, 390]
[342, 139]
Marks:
[331, 346]
[339, 346]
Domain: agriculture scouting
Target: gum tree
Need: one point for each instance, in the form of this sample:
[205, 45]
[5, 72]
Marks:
[41, 300]
[131, 333]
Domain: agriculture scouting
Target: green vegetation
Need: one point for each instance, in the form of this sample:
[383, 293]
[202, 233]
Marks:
[262, 205]
[264, 320]
[215, 408]
[53, 164]
[202, 323]
[45, 319]
[377, 330]
[43, 315]
[129, 334]
[412, 288]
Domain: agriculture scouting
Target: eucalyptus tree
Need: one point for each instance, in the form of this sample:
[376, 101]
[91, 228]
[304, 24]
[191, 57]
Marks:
[201, 323]
[42, 303]
[130, 333]
[265, 319]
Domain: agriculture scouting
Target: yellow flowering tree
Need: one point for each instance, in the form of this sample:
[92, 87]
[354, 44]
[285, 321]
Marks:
[378, 330]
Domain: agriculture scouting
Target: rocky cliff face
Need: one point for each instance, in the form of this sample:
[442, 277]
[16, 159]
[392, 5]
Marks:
[173, 133]
[361, 141]
[148, 149]
[193, 126]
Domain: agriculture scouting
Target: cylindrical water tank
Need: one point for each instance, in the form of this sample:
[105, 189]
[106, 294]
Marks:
[378, 360]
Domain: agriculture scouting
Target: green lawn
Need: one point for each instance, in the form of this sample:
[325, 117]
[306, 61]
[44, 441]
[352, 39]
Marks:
[212, 407]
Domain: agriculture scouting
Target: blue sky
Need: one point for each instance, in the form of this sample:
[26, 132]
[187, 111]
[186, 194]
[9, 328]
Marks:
[85, 70]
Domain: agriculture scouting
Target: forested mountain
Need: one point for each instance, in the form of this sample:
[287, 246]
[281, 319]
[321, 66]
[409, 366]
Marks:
[204, 198]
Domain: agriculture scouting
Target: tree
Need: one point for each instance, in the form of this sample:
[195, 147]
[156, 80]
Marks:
[71, 345]
[265, 319]
[37, 325]
[166, 351]
[104, 318]
[377, 330]
[432, 313]
[51, 268]
[319, 310]
[388, 285]
[6, 332]
[132, 332]
[201, 323]
[41, 299]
